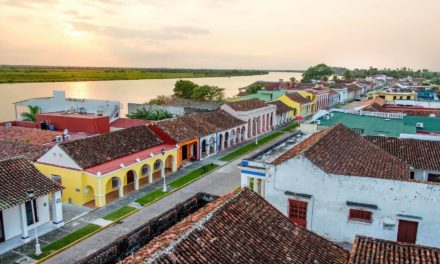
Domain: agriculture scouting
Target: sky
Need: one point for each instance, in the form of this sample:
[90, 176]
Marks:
[241, 34]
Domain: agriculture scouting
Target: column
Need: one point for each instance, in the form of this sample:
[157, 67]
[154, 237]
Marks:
[255, 185]
[207, 146]
[150, 176]
[201, 150]
[120, 189]
[162, 170]
[224, 141]
[57, 209]
[23, 223]
[136, 182]
[260, 123]
[250, 128]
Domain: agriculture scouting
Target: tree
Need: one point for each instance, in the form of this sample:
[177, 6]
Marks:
[143, 113]
[159, 100]
[208, 93]
[293, 79]
[31, 116]
[317, 72]
[184, 89]
[347, 75]
[253, 89]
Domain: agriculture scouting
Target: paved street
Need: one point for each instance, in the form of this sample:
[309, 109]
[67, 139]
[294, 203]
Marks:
[219, 182]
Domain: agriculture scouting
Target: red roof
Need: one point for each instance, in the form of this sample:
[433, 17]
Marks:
[127, 122]
[28, 135]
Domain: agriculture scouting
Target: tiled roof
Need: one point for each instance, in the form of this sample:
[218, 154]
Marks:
[376, 100]
[339, 150]
[281, 107]
[421, 154]
[200, 124]
[239, 227]
[247, 105]
[17, 175]
[9, 149]
[127, 122]
[28, 135]
[296, 97]
[91, 151]
[178, 129]
[223, 120]
[353, 88]
[367, 250]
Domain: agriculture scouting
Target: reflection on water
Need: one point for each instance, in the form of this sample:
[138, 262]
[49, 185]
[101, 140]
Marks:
[134, 91]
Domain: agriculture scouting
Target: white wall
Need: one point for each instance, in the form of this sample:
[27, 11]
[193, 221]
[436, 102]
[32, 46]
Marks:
[57, 156]
[328, 213]
[11, 218]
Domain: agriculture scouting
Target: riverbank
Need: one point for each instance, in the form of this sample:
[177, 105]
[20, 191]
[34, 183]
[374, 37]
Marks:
[26, 74]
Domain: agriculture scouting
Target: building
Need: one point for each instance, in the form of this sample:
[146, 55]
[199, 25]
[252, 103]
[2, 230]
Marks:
[122, 123]
[334, 98]
[59, 103]
[265, 95]
[302, 106]
[319, 98]
[238, 227]
[19, 212]
[391, 96]
[353, 91]
[16, 132]
[427, 95]
[338, 184]
[99, 169]
[259, 115]
[285, 113]
[10, 149]
[374, 104]
[74, 122]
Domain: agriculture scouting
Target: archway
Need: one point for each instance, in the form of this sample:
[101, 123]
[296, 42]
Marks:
[131, 182]
[114, 189]
[243, 131]
[146, 175]
[220, 142]
[89, 195]
[226, 139]
[203, 148]
[211, 145]
[169, 164]
[232, 140]
[157, 170]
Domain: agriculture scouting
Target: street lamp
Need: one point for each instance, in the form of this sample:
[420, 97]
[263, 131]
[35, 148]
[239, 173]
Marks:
[31, 194]
[164, 189]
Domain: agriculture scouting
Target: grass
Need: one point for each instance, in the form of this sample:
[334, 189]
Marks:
[288, 128]
[16, 74]
[193, 175]
[151, 197]
[67, 240]
[251, 146]
[119, 213]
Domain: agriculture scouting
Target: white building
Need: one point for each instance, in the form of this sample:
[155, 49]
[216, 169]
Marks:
[338, 184]
[260, 116]
[59, 103]
[19, 212]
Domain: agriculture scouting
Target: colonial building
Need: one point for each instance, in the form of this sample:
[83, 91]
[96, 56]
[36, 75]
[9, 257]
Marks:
[319, 97]
[25, 198]
[99, 169]
[303, 107]
[259, 115]
[285, 113]
[339, 184]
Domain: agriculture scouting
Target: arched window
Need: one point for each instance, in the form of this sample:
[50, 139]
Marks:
[157, 165]
[145, 170]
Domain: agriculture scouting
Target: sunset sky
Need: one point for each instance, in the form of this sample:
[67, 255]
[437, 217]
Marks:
[276, 34]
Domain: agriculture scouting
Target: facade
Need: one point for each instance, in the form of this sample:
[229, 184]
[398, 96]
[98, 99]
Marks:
[259, 115]
[59, 103]
[99, 169]
[343, 94]
[334, 98]
[319, 98]
[265, 95]
[20, 213]
[392, 96]
[74, 122]
[302, 106]
[338, 184]
[353, 91]
[285, 113]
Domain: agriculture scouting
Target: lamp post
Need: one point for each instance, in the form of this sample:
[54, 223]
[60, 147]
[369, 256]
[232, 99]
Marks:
[31, 194]
[164, 189]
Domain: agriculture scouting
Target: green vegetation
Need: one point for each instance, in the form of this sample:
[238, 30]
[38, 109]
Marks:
[193, 175]
[149, 114]
[189, 90]
[151, 197]
[396, 73]
[119, 213]
[67, 240]
[159, 100]
[19, 74]
[31, 116]
[251, 146]
[253, 89]
[290, 127]
[317, 72]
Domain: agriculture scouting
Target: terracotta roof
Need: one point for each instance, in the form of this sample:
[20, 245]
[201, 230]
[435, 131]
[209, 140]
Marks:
[223, 120]
[91, 151]
[421, 154]
[353, 88]
[296, 97]
[127, 122]
[339, 150]
[247, 105]
[17, 175]
[177, 129]
[239, 227]
[10, 149]
[367, 250]
[200, 124]
[333, 93]
[28, 135]
[281, 107]
[365, 103]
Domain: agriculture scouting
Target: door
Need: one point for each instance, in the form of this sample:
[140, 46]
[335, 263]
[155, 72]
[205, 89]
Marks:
[2, 229]
[185, 152]
[407, 231]
[298, 212]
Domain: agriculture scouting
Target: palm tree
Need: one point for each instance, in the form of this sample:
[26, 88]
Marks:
[31, 116]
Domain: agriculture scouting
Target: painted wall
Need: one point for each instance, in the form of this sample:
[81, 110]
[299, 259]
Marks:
[328, 212]
[74, 123]
[390, 97]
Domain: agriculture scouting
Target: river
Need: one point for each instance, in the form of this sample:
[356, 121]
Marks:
[125, 91]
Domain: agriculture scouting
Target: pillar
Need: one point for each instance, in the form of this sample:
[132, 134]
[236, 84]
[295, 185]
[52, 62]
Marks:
[120, 189]
[268, 122]
[250, 128]
[57, 209]
[207, 146]
[224, 141]
[150, 176]
[162, 170]
[255, 185]
[260, 123]
[136, 183]
[23, 223]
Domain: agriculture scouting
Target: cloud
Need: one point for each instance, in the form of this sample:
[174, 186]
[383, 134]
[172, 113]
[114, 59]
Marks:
[28, 3]
[75, 14]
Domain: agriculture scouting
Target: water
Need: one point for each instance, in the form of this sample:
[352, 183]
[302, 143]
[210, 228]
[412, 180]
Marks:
[133, 91]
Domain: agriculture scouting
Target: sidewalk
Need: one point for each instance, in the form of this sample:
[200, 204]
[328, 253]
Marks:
[220, 181]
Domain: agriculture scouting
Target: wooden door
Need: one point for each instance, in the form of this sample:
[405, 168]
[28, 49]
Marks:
[2, 229]
[407, 231]
[298, 212]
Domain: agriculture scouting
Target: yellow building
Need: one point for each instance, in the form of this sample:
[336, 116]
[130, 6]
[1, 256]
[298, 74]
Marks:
[302, 106]
[99, 169]
[391, 96]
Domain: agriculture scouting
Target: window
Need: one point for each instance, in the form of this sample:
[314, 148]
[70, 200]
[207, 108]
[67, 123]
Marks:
[433, 177]
[157, 164]
[298, 212]
[360, 215]
[408, 97]
[411, 175]
[29, 216]
[394, 97]
[115, 183]
[145, 170]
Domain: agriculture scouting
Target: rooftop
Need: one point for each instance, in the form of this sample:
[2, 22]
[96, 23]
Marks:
[10, 149]
[281, 107]
[28, 135]
[247, 105]
[367, 250]
[17, 175]
[296, 97]
[339, 150]
[127, 122]
[239, 227]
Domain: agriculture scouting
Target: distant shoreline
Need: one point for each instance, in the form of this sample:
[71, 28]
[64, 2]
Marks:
[38, 74]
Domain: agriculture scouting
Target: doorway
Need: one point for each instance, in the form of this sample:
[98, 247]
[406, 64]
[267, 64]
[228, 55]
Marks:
[2, 228]
[184, 152]
[407, 231]
[298, 212]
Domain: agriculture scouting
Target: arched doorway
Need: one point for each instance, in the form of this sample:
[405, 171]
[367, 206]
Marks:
[203, 148]
[232, 140]
[169, 164]
[226, 140]
[211, 145]
[157, 167]
[114, 189]
[243, 131]
[146, 176]
[220, 142]
[132, 182]
[89, 194]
